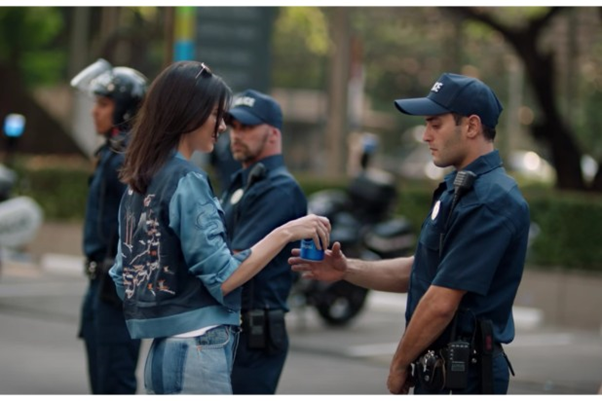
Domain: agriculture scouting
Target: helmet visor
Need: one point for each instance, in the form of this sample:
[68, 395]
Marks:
[82, 80]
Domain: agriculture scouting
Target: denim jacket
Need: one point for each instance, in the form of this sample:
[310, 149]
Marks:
[173, 255]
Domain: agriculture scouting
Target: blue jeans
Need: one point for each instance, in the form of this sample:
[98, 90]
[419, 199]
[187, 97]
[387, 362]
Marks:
[195, 365]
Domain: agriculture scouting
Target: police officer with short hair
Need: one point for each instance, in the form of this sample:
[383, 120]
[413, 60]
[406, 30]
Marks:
[262, 196]
[112, 354]
[463, 278]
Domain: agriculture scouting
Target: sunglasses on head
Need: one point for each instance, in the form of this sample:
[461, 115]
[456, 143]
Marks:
[204, 69]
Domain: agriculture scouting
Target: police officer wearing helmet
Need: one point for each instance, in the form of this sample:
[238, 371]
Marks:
[465, 272]
[112, 354]
[262, 196]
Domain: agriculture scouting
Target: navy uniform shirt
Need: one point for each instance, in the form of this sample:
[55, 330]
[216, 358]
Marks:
[104, 194]
[270, 202]
[483, 252]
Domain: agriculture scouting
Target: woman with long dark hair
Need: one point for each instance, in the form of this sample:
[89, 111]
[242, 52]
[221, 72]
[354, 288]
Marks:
[174, 269]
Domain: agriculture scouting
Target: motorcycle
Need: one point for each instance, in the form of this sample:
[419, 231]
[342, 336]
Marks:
[20, 217]
[362, 221]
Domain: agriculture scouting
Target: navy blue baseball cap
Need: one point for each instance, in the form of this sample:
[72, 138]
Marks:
[453, 93]
[253, 108]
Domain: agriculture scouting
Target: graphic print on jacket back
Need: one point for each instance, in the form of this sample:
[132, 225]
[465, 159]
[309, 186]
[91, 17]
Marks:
[145, 264]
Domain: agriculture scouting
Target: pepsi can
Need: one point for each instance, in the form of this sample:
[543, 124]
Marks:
[309, 250]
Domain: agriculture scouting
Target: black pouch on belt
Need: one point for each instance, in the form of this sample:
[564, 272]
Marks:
[486, 347]
[457, 359]
[256, 329]
[276, 330]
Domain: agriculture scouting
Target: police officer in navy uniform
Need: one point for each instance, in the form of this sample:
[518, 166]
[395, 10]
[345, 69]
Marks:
[112, 354]
[262, 196]
[463, 278]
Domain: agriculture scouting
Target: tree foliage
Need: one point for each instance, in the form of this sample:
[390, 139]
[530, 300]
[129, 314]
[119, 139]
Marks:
[301, 47]
[404, 49]
[552, 128]
[28, 43]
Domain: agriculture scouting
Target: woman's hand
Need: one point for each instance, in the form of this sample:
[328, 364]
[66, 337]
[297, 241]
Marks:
[310, 226]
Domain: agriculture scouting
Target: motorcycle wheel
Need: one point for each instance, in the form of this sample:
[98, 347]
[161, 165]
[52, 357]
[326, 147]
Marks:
[341, 302]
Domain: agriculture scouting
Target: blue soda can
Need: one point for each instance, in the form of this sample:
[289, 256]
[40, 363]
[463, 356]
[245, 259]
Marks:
[309, 250]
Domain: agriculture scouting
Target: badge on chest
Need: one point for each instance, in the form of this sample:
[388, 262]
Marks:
[436, 209]
[236, 196]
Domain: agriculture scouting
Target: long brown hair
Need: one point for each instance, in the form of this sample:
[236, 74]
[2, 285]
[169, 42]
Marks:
[178, 102]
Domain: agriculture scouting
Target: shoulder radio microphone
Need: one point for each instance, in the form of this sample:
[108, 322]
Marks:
[462, 183]
[257, 173]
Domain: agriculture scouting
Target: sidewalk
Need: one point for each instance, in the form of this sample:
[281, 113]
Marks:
[549, 358]
[57, 238]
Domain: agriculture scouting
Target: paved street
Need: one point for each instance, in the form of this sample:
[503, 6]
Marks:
[40, 354]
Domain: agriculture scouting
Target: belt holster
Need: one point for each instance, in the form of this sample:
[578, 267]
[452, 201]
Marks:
[99, 270]
[265, 329]
[445, 367]
[255, 325]
[485, 345]
[91, 268]
[107, 290]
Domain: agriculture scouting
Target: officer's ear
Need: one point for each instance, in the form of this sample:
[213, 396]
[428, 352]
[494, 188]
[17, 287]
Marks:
[474, 126]
[275, 133]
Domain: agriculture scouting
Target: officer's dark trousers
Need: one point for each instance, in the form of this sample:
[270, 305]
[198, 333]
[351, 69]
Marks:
[112, 354]
[501, 377]
[257, 371]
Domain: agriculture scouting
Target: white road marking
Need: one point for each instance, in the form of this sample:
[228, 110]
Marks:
[24, 290]
[62, 264]
[535, 340]
[524, 317]
[371, 350]
[542, 340]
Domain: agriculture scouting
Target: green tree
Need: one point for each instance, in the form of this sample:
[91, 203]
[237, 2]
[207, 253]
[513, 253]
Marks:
[28, 44]
[35, 51]
[30, 55]
[300, 42]
[552, 128]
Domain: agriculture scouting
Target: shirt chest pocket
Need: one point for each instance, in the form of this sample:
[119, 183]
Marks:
[428, 251]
